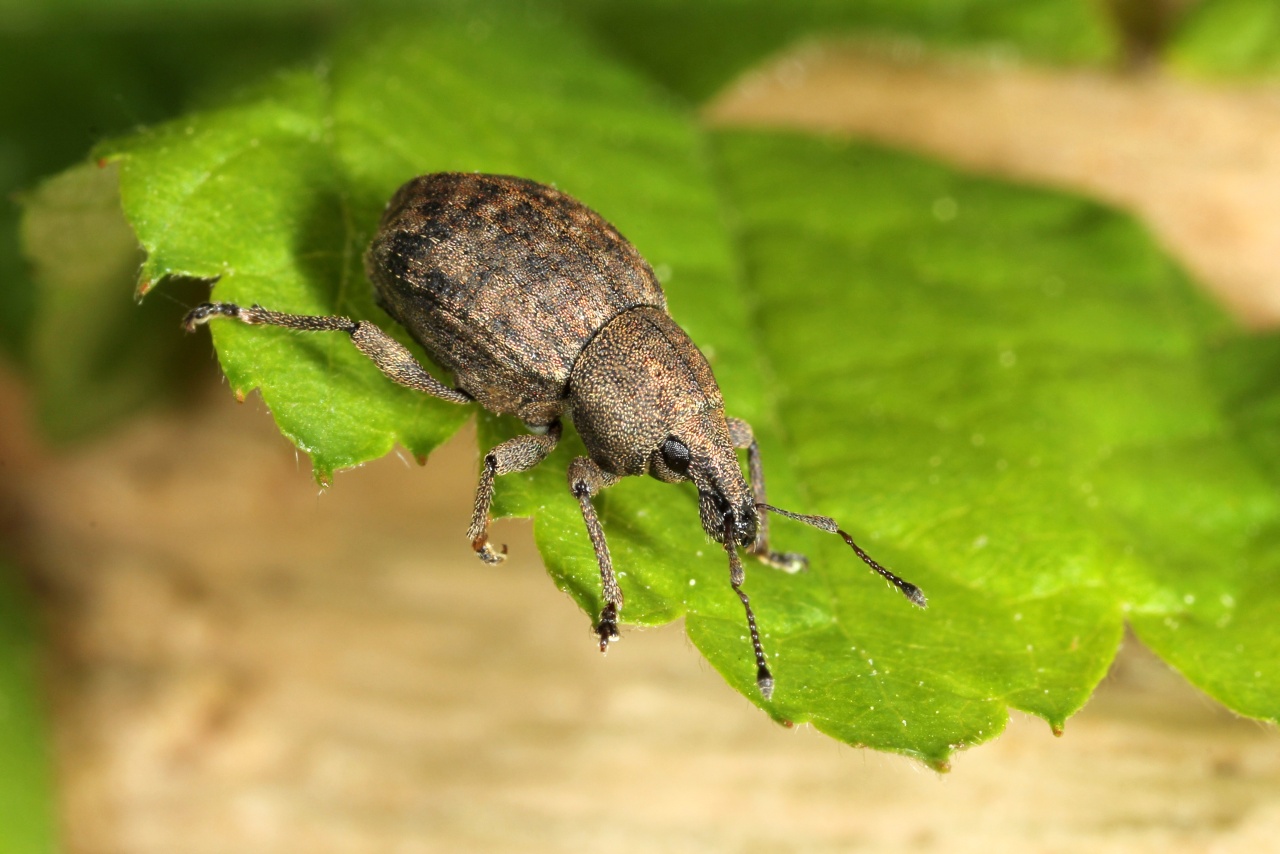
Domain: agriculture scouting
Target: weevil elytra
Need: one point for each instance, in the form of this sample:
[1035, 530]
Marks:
[541, 309]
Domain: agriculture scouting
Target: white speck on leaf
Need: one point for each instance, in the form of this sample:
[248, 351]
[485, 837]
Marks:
[945, 208]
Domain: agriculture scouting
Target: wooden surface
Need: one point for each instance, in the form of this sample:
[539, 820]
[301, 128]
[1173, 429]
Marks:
[244, 664]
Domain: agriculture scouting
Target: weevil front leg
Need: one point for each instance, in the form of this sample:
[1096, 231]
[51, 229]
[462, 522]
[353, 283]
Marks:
[585, 480]
[391, 357]
[519, 453]
[742, 436]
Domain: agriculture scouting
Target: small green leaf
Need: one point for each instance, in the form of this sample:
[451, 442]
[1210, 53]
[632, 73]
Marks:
[1228, 37]
[26, 786]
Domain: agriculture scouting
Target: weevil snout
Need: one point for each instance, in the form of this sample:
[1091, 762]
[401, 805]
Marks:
[714, 509]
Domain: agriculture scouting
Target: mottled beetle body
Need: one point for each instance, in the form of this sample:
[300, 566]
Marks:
[541, 309]
[504, 282]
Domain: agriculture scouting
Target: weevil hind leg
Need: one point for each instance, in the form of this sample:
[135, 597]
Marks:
[392, 358]
[742, 436]
[519, 453]
[585, 480]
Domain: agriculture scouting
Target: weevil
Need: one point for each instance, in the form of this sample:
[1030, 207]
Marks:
[541, 309]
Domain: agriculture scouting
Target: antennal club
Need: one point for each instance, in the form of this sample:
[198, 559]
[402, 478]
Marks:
[826, 523]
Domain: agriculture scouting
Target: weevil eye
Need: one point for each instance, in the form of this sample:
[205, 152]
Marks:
[676, 455]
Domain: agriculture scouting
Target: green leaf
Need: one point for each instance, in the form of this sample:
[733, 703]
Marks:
[1209, 513]
[1243, 372]
[1013, 392]
[1228, 37]
[1002, 393]
[26, 787]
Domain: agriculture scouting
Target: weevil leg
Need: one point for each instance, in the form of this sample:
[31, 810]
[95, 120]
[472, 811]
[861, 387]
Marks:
[391, 357]
[585, 480]
[737, 575]
[742, 436]
[519, 453]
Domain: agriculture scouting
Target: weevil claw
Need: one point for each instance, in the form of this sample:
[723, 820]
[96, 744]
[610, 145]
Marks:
[607, 628]
[486, 552]
[202, 313]
[764, 681]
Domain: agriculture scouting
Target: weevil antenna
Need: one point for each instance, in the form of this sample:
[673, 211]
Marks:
[764, 679]
[826, 523]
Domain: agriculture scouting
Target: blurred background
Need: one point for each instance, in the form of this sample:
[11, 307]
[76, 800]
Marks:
[201, 651]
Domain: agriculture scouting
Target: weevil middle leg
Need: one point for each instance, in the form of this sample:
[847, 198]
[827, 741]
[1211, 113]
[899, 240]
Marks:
[519, 453]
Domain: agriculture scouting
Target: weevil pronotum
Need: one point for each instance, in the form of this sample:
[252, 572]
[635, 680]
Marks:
[541, 309]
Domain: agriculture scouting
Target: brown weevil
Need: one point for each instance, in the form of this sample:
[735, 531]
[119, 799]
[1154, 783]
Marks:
[541, 309]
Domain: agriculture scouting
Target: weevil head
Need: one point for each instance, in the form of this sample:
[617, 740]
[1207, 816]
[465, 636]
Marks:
[699, 449]
[644, 401]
